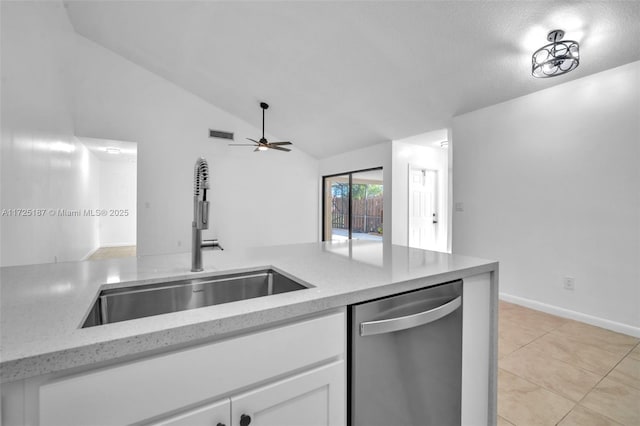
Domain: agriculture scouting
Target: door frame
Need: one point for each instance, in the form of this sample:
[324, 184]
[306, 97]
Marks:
[324, 197]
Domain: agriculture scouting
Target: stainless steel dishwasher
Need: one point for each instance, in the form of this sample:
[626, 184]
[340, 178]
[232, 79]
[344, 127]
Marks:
[406, 359]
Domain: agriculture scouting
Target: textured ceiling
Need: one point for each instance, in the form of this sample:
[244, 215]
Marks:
[343, 75]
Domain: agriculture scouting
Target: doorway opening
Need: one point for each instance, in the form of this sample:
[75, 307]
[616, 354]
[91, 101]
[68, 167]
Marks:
[352, 206]
[114, 189]
[422, 191]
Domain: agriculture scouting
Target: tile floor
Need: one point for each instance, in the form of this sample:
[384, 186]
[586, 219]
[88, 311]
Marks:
[113, 252]
[555, 371]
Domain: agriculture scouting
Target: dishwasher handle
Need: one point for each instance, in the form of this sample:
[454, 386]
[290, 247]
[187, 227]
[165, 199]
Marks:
[390, 325]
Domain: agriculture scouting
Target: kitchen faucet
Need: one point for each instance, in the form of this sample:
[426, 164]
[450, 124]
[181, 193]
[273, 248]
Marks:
[200, 214]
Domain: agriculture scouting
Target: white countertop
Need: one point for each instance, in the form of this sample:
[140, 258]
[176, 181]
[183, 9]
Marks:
[43, 306]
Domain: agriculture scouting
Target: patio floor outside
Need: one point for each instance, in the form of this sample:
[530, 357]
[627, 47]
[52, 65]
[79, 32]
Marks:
[338, 234]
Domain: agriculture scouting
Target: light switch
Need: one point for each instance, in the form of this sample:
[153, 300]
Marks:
[459, 207]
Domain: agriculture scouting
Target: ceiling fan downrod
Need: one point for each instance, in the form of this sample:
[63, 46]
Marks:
[264, 106]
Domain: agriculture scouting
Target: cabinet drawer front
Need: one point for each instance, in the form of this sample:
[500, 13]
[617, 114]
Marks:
[146, 388]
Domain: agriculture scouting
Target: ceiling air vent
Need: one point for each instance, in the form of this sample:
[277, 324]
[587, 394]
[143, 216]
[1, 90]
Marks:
[220, 134]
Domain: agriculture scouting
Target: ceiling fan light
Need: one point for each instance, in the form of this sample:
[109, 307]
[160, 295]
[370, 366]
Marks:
[262, 148]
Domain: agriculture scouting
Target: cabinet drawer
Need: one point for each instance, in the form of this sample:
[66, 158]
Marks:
[146, 388]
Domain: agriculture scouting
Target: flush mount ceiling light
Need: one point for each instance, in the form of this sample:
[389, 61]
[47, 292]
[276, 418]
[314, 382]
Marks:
[556, 58]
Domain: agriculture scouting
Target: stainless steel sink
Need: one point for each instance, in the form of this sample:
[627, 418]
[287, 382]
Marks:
[128, 303]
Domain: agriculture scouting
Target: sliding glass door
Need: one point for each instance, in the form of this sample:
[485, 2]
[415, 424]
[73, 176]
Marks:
[353, 206]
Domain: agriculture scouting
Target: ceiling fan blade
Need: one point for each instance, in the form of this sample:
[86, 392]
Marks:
[280, 143]
[257, 149]
[253, 140]
[241, 144]
[278, 148]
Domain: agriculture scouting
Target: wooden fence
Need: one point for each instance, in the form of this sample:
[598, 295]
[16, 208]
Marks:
[366, 214]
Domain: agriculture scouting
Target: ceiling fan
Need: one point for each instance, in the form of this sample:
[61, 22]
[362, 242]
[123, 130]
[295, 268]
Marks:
[263, 144]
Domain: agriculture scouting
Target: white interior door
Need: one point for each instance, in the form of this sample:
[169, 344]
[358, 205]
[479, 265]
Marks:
[423, 209]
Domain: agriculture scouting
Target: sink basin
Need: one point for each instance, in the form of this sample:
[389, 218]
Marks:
[122, 304]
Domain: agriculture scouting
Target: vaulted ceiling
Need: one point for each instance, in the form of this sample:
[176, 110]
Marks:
[343, 75]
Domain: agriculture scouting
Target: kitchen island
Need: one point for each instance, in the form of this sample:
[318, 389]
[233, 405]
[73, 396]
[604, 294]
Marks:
[44, 306]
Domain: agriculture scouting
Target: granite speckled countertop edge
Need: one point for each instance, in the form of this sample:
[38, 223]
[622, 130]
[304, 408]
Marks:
[253, 316]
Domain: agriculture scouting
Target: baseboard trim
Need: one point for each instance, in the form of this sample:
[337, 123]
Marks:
[90, 253]
[578, 316]
[133, 243]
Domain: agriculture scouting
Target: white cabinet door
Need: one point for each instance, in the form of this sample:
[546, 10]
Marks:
[216, 414]
[314, 398]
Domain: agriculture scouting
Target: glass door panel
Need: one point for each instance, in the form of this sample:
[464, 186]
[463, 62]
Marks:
[336, 208]
[367, 205]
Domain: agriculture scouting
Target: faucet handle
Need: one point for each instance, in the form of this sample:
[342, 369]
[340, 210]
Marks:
[212, 244]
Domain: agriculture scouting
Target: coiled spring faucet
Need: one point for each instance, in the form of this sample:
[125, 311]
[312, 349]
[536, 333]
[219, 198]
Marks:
[200, 214]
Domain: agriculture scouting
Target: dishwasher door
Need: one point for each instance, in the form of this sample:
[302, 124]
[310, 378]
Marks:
[406, 359]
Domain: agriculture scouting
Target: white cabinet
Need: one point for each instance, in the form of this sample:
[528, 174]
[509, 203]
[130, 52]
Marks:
[303, 360]
[216, 414]
[313, 398]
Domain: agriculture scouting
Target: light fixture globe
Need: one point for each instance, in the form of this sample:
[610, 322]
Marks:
[556, 58]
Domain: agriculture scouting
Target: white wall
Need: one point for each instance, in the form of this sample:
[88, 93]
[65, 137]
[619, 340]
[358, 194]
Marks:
[118, 192]
[550, 184]
[258, 198]
[57, 84]
[427, 157]
[366, 158]
[43, 166]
